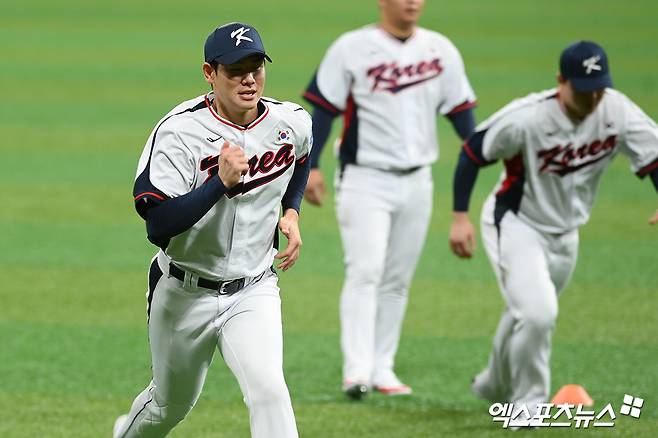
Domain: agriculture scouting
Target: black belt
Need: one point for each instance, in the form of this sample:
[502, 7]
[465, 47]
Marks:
[394, 171]
[406, 171]
[228, 287]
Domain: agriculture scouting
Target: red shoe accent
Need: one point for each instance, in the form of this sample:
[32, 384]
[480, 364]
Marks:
[394, 390]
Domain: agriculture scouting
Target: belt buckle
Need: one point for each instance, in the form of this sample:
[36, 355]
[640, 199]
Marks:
[228, 288]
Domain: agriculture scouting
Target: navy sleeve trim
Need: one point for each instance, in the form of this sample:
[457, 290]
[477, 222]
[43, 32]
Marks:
[314, 96]
[150, 194]
[473, 149]
[463, 107]
[146, 200]
[646, 170]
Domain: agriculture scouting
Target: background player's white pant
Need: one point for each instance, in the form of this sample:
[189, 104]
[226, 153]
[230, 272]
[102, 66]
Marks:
[383, 218]
[186, 325]
[532, 268]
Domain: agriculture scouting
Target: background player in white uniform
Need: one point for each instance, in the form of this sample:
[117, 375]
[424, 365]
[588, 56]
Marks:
[389, 81]
[556, 145]
[209, 184]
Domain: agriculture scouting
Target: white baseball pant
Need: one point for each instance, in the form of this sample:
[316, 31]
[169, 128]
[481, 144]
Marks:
[383, 218]
[187, 323]
[532, 268]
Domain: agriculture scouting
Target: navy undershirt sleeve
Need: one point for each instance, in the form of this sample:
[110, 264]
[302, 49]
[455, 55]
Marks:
[466, 174]
[322, 122]
[463, 122]
[468, 166]
[295, 191]
[176, 215]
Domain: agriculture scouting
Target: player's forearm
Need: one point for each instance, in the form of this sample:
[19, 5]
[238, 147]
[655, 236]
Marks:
[463, 122]
[292, 199]
[177, 215]
[322, 122]
[466, 174]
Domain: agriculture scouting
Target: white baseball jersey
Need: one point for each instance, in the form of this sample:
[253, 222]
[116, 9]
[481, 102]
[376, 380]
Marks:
[389, 92]
[553, 166]
[235, 238]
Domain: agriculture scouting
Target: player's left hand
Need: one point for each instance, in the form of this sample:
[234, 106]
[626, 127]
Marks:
[653, 220]
[462, 236]
[289, 226]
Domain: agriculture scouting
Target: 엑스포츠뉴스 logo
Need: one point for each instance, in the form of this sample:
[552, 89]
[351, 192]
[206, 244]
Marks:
[563, 415]
[238, 34]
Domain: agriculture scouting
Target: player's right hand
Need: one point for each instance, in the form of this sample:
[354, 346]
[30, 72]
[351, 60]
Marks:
[232, 164]
[315, 188]
[462, 235]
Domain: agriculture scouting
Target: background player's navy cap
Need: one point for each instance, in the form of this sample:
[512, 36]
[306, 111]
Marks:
[231, 42]
[585, 64]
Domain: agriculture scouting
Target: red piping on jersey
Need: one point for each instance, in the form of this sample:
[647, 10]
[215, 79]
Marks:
[647, 169]
[463, 107]
[233, 125]
[472, 156]
[303, 159]
[320, 101]
[514, 171]
[155, 195]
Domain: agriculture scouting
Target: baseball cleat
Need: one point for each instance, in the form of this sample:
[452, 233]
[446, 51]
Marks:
[388, 384]
[355, 390]
[118, 423]
[482, 390]
[394, 390]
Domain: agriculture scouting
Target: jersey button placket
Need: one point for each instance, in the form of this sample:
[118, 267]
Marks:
[573, 139]
[238, 227]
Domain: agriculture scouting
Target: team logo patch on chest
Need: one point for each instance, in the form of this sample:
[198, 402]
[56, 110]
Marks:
[271, 164]
[393, 78]
[562, 160]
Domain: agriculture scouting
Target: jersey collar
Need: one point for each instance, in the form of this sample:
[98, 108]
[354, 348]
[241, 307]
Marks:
[394, 39]
[211, 96]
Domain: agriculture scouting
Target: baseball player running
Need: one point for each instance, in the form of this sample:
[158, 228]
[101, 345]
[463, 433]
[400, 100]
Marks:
[388, 81]
[556, 144]
[209, 184]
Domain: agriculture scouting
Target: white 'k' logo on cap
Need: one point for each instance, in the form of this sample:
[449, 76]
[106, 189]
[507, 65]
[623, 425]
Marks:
[238, 34]
[591, 64]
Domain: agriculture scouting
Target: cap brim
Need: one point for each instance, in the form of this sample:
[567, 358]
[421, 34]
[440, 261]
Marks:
[237, 55]
[591, 84]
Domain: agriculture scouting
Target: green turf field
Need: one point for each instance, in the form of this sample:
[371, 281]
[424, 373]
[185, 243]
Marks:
[83, 83]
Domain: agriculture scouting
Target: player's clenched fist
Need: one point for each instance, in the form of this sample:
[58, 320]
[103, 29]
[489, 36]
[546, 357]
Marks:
[232, 164]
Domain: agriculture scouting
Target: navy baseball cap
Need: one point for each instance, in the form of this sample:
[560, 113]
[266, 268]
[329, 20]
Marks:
[232, 42]
[585, 65]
